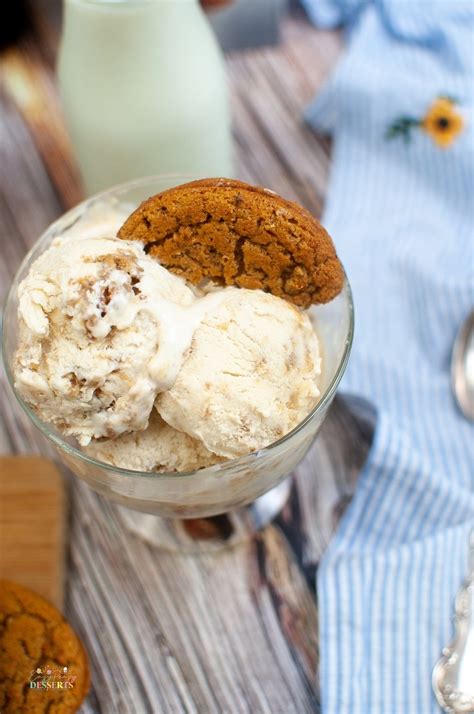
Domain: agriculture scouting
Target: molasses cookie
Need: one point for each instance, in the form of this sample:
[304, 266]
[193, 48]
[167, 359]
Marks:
[232, 233]
[43, 665]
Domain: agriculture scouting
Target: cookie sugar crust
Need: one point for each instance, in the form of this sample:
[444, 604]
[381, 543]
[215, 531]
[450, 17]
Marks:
[236, 234]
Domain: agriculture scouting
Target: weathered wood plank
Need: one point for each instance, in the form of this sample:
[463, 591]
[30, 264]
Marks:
[30, 84]
[271, 87]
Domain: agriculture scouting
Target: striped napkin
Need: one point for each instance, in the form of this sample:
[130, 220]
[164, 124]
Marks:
[400, 209]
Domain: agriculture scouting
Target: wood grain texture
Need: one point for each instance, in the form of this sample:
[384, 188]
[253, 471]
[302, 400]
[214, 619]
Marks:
[32, 525]
[30, 84]
[227, 631]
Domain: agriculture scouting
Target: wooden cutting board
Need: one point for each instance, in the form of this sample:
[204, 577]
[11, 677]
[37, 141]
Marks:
[32, 525]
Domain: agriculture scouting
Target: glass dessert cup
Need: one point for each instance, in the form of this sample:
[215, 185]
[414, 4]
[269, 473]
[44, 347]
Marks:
[259, 479]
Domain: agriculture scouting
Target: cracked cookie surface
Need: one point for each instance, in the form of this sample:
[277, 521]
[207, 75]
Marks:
[36, 639]
[233, 233]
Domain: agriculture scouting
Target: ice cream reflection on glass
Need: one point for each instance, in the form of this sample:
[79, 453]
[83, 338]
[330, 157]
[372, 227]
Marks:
[180, 355]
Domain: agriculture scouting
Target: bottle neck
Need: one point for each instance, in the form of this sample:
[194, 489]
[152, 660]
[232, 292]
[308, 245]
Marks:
[159, 10]
[111, 4]
[133, 29]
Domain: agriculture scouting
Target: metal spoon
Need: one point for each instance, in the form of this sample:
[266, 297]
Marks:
[462, 367]
[453, 675]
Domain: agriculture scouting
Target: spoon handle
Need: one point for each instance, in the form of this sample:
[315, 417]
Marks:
[453, 675]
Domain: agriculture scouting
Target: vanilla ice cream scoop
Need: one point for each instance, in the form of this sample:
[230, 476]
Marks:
[98, 335]
[159, 448]
[106, 333]
[250, 376]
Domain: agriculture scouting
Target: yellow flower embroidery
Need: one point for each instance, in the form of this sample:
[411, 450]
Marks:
[442, 122]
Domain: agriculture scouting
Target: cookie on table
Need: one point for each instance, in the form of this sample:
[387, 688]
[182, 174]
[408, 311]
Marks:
[38, 647]
[232, 233]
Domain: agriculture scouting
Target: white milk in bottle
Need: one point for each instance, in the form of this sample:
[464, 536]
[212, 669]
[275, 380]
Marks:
[144, 90]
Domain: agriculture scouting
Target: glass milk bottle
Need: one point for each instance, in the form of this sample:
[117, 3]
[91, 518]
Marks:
[144, 90]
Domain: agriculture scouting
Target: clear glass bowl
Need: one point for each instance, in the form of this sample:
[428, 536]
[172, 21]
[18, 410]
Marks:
[217, 489]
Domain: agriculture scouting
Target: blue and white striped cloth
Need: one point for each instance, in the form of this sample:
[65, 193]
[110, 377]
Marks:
[401, 215]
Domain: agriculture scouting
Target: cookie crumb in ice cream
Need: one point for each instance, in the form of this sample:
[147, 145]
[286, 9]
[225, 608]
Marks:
[97, 322]
[158, 448]
[261, 371]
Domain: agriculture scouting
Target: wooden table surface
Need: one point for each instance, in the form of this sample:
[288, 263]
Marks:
[228, 631]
